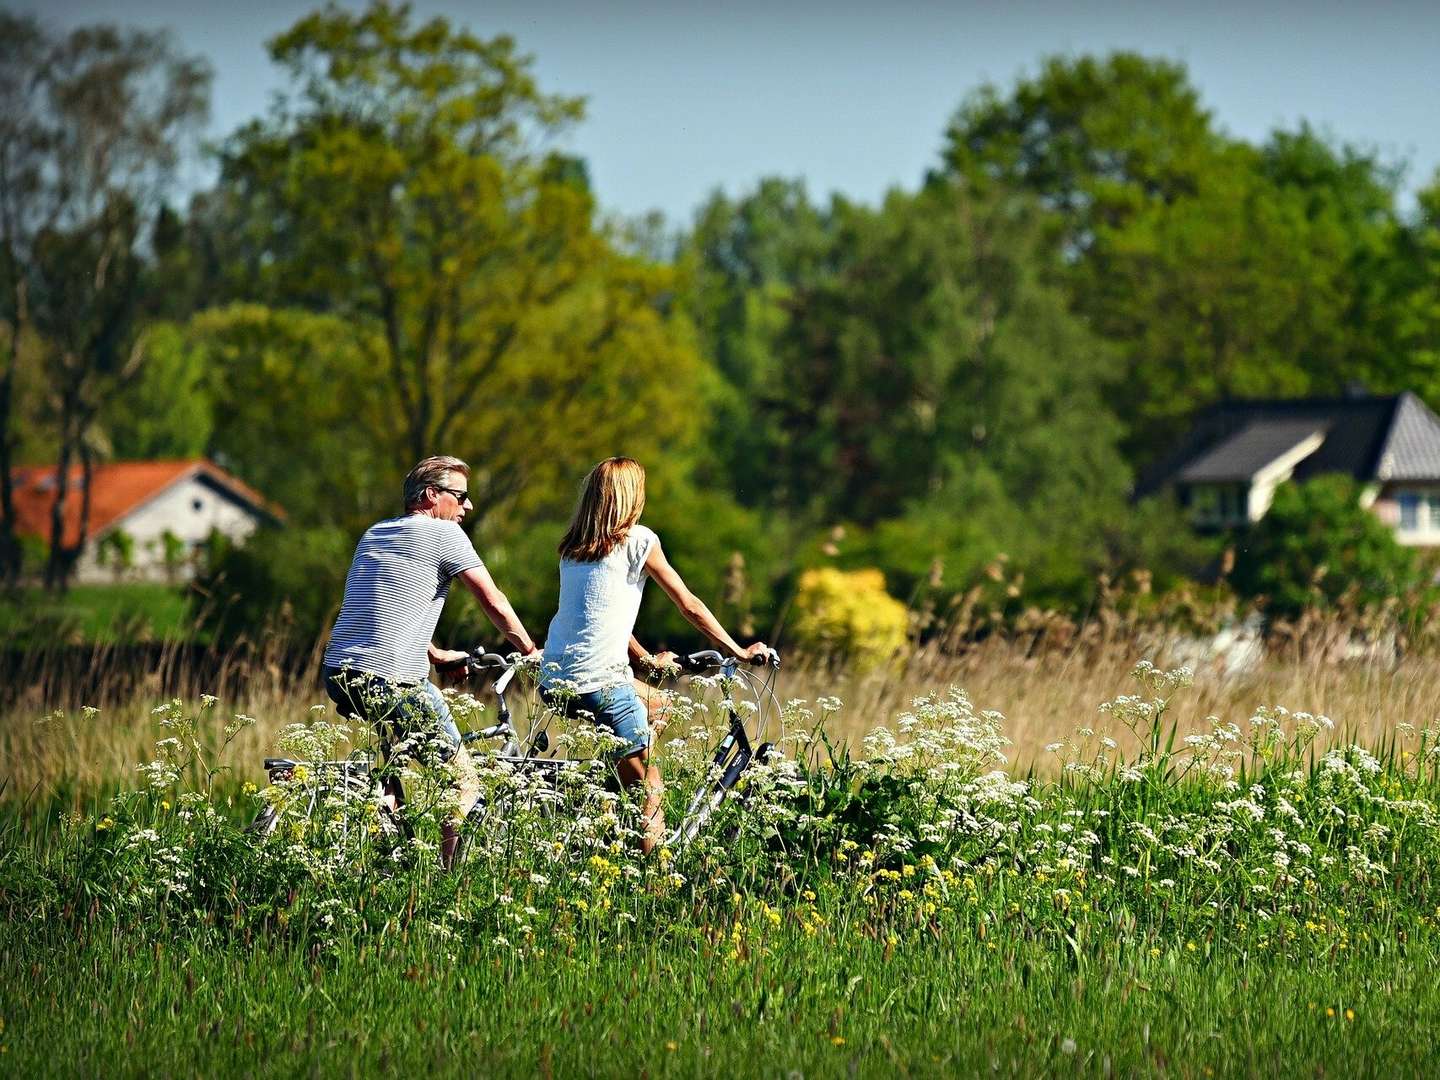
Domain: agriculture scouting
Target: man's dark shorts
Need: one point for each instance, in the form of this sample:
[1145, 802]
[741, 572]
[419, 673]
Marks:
[412, 716]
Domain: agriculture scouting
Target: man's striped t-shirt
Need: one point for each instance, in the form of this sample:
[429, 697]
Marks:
[394, 594]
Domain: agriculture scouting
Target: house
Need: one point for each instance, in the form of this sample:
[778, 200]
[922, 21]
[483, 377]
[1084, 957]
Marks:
[163, 510]
[1226, 470]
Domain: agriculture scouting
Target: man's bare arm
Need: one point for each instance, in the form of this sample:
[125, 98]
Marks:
[497, 609]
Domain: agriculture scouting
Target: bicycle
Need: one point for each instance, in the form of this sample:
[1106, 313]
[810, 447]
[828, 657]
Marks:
[739, 748]
[360, 778]
[364, 777]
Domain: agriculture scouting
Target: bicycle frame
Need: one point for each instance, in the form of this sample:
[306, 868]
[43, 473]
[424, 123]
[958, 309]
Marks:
[729, 762]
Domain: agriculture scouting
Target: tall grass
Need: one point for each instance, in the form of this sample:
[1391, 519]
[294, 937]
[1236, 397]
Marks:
[51, 745]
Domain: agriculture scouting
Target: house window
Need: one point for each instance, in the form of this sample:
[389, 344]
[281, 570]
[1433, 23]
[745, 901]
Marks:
[1409, 512]
[1219, 504]
[1232, 504]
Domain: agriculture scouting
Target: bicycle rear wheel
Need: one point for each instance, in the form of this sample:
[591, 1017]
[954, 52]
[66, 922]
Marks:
[264, 822]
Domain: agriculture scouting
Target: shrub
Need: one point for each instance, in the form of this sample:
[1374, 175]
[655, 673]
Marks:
[848, 613]
[1317, 546]
[282, 582]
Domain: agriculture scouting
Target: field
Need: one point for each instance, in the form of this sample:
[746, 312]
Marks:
[1186, 880]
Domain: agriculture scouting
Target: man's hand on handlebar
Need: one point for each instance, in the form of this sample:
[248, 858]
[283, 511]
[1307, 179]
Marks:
[450, 665]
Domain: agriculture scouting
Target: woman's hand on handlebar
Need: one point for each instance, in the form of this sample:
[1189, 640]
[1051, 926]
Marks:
[758, 653]
[663, 663]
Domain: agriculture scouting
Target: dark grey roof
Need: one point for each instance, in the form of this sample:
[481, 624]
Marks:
[1249, 450]
[1371, 438]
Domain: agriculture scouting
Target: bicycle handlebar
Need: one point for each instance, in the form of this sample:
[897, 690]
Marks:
[489, 659]
[710, 659]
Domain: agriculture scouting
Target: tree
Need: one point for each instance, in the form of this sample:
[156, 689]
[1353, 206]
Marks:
[746, 260]
[1406, 302]
[291, 409]
[397, 189]
[116, 549]
[166, 410]
[1097, 139]
[23, 152]
[95, 123]
[1215, 267]
[1231, 292]
[941, 345]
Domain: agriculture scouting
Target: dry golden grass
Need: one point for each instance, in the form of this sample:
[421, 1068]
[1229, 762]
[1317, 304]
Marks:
[1046, 698]
[46, 753]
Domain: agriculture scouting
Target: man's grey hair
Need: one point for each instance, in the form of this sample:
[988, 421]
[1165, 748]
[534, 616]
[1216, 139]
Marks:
[432, 472]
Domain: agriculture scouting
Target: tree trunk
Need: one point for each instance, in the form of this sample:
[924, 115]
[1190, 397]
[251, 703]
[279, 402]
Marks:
[56, 576]
[9, 543]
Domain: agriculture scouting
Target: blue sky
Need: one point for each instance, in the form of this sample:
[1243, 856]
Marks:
[688, 97]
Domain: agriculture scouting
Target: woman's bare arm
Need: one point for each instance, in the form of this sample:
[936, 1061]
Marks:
[693, 608]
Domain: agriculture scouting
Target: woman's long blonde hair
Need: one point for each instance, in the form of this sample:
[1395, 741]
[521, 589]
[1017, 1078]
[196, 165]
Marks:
[611, 501]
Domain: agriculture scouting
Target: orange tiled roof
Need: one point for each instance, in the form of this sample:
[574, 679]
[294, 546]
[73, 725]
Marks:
[117, 488]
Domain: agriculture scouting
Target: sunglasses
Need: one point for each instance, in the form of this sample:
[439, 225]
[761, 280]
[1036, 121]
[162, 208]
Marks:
[461, 496]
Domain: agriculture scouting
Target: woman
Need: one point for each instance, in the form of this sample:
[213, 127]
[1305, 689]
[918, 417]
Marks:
[605, 558]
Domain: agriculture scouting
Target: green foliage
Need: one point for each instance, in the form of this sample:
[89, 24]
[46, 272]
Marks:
[1270, 318]
[730, 556]
[1097, 138]
[286, 584]
[167, 410]
[116, 549]
[95, 121]
[295, 408]
[173, 553]
[1404, 310]
[1217, 268]
[399, 266]
[487, 314]
[137, 611]
[848, 614]
[1154, 537]
[1317, 546]
[901, 350]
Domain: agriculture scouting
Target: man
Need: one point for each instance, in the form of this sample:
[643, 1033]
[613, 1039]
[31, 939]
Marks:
[377, 663]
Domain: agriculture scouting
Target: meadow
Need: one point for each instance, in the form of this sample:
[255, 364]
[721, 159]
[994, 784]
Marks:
[1074, 865]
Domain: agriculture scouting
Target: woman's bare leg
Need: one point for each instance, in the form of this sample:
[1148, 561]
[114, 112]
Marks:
[657, 707]
[637, 769]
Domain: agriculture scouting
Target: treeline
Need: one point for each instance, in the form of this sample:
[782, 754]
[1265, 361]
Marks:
[393, 263]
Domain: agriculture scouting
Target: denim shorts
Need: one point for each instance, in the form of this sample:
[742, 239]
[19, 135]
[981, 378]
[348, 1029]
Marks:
[616, 707]
[397, 711]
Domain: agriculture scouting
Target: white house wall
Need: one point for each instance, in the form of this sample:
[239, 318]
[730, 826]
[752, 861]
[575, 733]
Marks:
[174, 510]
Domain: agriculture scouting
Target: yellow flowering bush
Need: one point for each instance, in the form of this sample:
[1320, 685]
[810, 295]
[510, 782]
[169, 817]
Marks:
[848, 613]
